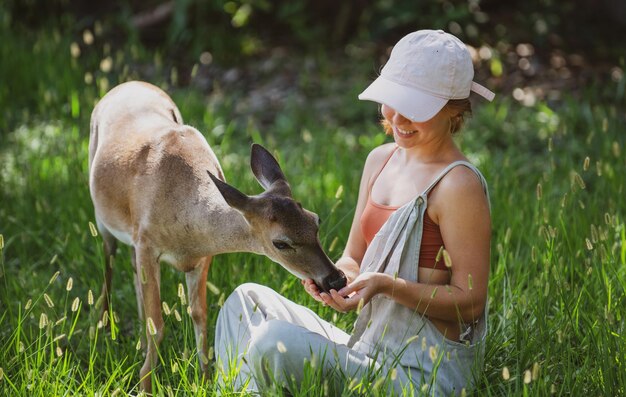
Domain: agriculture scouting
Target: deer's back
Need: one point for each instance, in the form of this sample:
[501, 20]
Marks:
[147, 169]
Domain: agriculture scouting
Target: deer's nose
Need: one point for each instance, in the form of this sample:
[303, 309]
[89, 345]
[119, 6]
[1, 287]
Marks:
[334, 281]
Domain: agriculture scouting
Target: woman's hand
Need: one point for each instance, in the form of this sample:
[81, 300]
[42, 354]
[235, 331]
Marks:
[311, 288]
[362, 289]
[349, 268]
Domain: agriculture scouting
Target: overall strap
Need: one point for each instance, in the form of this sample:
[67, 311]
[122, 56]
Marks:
[450, 167]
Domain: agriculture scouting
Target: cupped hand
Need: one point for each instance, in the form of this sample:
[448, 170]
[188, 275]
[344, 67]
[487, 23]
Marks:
[358, 293]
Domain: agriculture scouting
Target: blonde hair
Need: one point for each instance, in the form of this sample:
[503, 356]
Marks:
[459, 108]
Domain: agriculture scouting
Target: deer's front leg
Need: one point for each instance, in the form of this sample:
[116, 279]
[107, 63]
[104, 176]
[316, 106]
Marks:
[196, 289]
[150, 276]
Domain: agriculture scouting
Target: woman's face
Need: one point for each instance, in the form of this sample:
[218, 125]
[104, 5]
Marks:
[408, 133]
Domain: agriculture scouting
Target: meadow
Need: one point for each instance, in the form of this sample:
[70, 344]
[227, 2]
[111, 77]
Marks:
[557, 179]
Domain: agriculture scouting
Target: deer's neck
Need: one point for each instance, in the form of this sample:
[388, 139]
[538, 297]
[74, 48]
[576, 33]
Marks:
[229, 232]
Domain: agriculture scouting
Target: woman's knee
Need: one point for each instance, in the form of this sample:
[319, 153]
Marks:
[241, 295]
[270, 337]
[278, 343]
[246, 288]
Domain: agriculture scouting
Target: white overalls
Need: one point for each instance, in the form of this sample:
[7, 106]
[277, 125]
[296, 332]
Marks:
[269, 338]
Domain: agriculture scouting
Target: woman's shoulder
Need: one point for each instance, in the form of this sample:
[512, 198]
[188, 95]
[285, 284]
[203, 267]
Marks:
[379, 155]
[459, 193]
[462, 181]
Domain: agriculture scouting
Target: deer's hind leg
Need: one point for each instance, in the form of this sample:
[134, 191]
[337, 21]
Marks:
[149, 273]
[196, 289]
[109, 243]
[137, 277]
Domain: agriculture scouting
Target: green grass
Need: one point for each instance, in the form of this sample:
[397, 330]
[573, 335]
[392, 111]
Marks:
[558, 277]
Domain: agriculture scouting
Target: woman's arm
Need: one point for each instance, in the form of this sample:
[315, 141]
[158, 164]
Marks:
[463, 214]
[354, 251]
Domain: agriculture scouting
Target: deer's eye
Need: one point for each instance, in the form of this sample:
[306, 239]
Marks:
[281, 245]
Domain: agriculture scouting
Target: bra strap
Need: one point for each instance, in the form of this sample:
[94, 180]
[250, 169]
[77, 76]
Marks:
[373, 180]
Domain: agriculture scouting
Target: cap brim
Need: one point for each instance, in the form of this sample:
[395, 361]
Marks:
[409, 102]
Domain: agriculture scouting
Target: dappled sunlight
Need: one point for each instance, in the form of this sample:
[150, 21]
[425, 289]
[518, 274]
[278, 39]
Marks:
[46, 152]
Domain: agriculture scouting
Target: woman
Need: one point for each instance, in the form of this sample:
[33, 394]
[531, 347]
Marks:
[417, 258]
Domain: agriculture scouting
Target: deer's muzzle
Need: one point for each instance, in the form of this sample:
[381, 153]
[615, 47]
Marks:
[336, 280]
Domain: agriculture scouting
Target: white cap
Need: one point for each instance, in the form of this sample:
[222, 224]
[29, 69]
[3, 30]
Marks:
[426, 69]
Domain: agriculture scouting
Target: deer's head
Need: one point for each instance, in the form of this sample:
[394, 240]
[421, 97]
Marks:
[287, 232]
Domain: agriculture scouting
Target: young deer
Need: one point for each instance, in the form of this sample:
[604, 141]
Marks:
[157, 186]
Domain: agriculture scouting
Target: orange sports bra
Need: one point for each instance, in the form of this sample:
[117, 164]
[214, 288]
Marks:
[375, 215]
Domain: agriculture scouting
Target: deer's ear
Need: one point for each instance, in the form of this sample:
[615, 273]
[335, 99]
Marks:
[233, 197]
[267, 171]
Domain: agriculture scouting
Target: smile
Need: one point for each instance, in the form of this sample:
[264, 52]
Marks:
[405, 132]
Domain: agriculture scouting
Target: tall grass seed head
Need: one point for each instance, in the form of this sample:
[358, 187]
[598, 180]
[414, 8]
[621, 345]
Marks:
[43, 320]
[527, 377]
[93, 230]
[54, 276]
[578, 180]
[280, 346]
[142, 275]
[439, 254]
[48, 300]
[432, 353]
[360, 306]
[213, 288]
[539, 191]
[333, 244]
[535, 371]
[88, 37]
[181, 294]
[74, 50]
[446, 258]
[339, 192]
[616, 148]
[106, 64]
[75, 304]
[151, 327]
